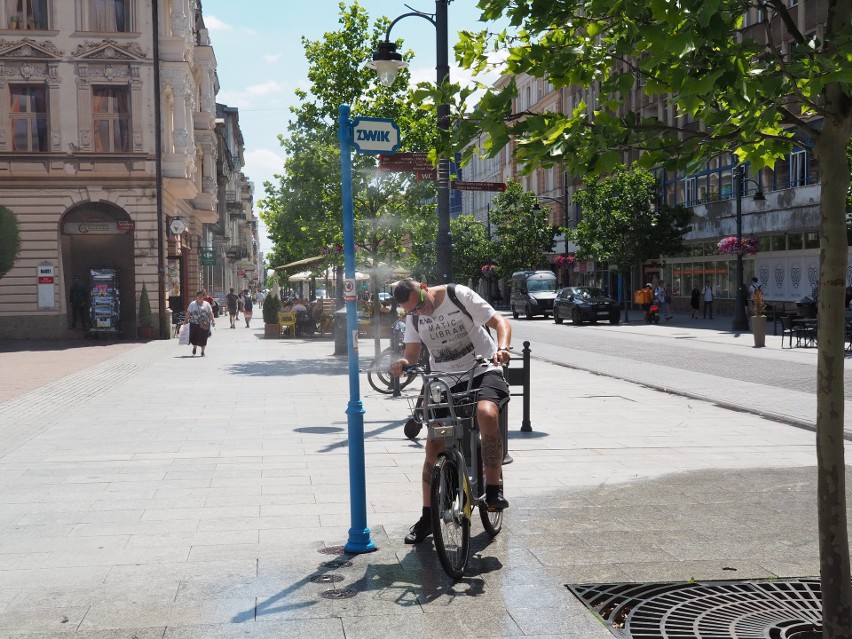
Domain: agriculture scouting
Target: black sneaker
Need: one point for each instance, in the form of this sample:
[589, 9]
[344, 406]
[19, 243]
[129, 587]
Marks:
[419, 531]
[494, 503]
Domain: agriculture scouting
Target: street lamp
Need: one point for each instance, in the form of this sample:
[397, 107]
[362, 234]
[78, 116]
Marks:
[388, 62]
[740, 322]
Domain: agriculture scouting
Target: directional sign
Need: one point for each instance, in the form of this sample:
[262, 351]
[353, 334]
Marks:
[406, 163]
[460, 185]
[375, 135]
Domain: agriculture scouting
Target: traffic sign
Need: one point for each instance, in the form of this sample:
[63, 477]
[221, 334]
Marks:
[375, 135]
[460, 185]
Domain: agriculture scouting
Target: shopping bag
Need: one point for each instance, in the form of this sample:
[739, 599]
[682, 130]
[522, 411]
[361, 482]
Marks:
[183, 336]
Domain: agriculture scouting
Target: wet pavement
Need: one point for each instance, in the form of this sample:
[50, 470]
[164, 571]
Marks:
[154, 494]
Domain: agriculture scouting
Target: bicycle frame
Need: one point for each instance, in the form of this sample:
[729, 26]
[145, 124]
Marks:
[460, 433]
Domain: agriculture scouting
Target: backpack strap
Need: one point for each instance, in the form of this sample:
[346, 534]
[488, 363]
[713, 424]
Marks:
[451, 291]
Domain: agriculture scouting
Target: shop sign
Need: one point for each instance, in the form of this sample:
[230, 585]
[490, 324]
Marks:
[45, 281]
[208, 257]
[97, 228]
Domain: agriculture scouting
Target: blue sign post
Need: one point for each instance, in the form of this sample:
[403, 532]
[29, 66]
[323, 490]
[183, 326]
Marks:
[368, 135]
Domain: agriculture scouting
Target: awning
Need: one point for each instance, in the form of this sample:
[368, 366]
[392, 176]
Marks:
[307, 260]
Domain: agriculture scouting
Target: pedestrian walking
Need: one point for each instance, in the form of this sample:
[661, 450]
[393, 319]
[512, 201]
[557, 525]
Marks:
[662, 296]
[707, 294]
[247, 307]
[231, 302]
[200, 318]
[695, 302]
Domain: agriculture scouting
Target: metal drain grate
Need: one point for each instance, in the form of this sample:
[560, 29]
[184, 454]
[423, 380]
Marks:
[789, 609]
[332, 550]
[327, 578]
[338, 594]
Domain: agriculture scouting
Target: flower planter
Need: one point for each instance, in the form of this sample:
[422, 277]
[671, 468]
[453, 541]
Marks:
[145, 332]
[758, 330]
[272, 330]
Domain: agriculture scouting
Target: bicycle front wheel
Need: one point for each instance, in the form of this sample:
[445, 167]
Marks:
[379, 377]
[451, 506]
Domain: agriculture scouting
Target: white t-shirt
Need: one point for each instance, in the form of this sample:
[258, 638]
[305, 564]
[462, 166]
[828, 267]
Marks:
[454, 339]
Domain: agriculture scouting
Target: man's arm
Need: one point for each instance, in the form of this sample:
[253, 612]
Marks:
[503, 329]
[410, 356]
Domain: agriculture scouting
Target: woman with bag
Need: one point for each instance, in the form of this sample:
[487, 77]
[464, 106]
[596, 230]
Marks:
[199, 316]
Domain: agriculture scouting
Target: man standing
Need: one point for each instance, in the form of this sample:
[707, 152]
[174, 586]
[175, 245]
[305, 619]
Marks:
[753, 288]
[450, 321]
[707, 294]
[79, 298]
[231, 301]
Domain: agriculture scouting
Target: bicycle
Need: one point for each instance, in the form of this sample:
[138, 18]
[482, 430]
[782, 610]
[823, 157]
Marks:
[378, 374]
[458, 478]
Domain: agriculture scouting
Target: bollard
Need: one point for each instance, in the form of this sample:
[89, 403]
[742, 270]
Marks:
[521, 377]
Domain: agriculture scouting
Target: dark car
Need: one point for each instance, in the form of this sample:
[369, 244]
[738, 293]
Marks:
[584, 304]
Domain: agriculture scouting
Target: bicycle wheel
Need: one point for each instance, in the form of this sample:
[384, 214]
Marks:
[450, 516]
[379, 377]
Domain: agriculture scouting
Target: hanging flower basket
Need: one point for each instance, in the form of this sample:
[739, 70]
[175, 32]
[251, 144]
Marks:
[563, 261]
[489, 270]
[731, 246]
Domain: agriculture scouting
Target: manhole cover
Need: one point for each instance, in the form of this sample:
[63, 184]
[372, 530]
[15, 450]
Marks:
[326, 579]
[708, 610]
[336, 563]
[332, 550]
[343, 593]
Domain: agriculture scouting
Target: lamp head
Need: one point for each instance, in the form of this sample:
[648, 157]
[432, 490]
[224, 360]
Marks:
[759, 197]
[387, 63]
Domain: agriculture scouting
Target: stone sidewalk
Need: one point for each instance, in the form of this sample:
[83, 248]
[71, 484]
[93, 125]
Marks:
[158, 495]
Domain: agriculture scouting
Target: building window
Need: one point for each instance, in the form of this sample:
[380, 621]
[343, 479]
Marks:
[111, 119]
[798, 168]
[26, 14]
[28, 115]
[107, 15]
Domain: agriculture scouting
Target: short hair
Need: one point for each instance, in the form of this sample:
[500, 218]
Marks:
[404, 289]
[199, 292]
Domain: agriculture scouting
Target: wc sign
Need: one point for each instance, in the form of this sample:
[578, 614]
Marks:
[375, 135]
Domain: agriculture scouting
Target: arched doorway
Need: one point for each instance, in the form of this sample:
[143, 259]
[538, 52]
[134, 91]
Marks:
[99, 235]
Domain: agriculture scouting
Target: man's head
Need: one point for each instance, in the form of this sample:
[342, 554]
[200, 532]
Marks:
[232, 290]
[414, 297]
[754, 279]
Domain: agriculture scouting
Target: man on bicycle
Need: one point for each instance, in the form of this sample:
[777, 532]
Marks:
[451, 324]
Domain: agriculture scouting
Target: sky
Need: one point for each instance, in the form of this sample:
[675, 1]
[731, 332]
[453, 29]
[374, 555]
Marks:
[260, 58]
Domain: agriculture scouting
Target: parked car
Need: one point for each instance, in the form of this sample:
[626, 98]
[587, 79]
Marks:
[584, 304]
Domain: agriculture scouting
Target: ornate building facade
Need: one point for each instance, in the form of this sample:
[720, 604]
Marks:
[85, 87]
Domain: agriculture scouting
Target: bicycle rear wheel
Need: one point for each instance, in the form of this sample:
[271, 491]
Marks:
[379, 377]
[450, 515]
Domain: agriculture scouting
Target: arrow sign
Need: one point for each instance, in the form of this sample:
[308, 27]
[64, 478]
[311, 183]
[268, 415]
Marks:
[375, 135]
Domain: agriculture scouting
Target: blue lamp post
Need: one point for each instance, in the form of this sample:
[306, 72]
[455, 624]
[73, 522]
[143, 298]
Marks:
[388, 62]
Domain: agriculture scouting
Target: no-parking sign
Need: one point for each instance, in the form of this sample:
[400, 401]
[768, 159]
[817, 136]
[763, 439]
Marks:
[349, 294]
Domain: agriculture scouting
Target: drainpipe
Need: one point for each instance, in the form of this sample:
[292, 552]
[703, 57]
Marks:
[158, 153]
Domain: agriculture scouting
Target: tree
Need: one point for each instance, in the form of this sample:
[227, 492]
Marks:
[620, 225]
[302, 210]
[523, 230]
[754, 89]
[472, 248]
[10, 240]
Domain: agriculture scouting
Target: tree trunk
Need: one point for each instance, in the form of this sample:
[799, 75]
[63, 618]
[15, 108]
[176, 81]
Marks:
[830, 149]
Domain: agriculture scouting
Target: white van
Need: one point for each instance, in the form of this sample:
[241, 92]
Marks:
[532, 293]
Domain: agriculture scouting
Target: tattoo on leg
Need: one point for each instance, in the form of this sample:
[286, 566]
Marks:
[427, 473]
[492, 451]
